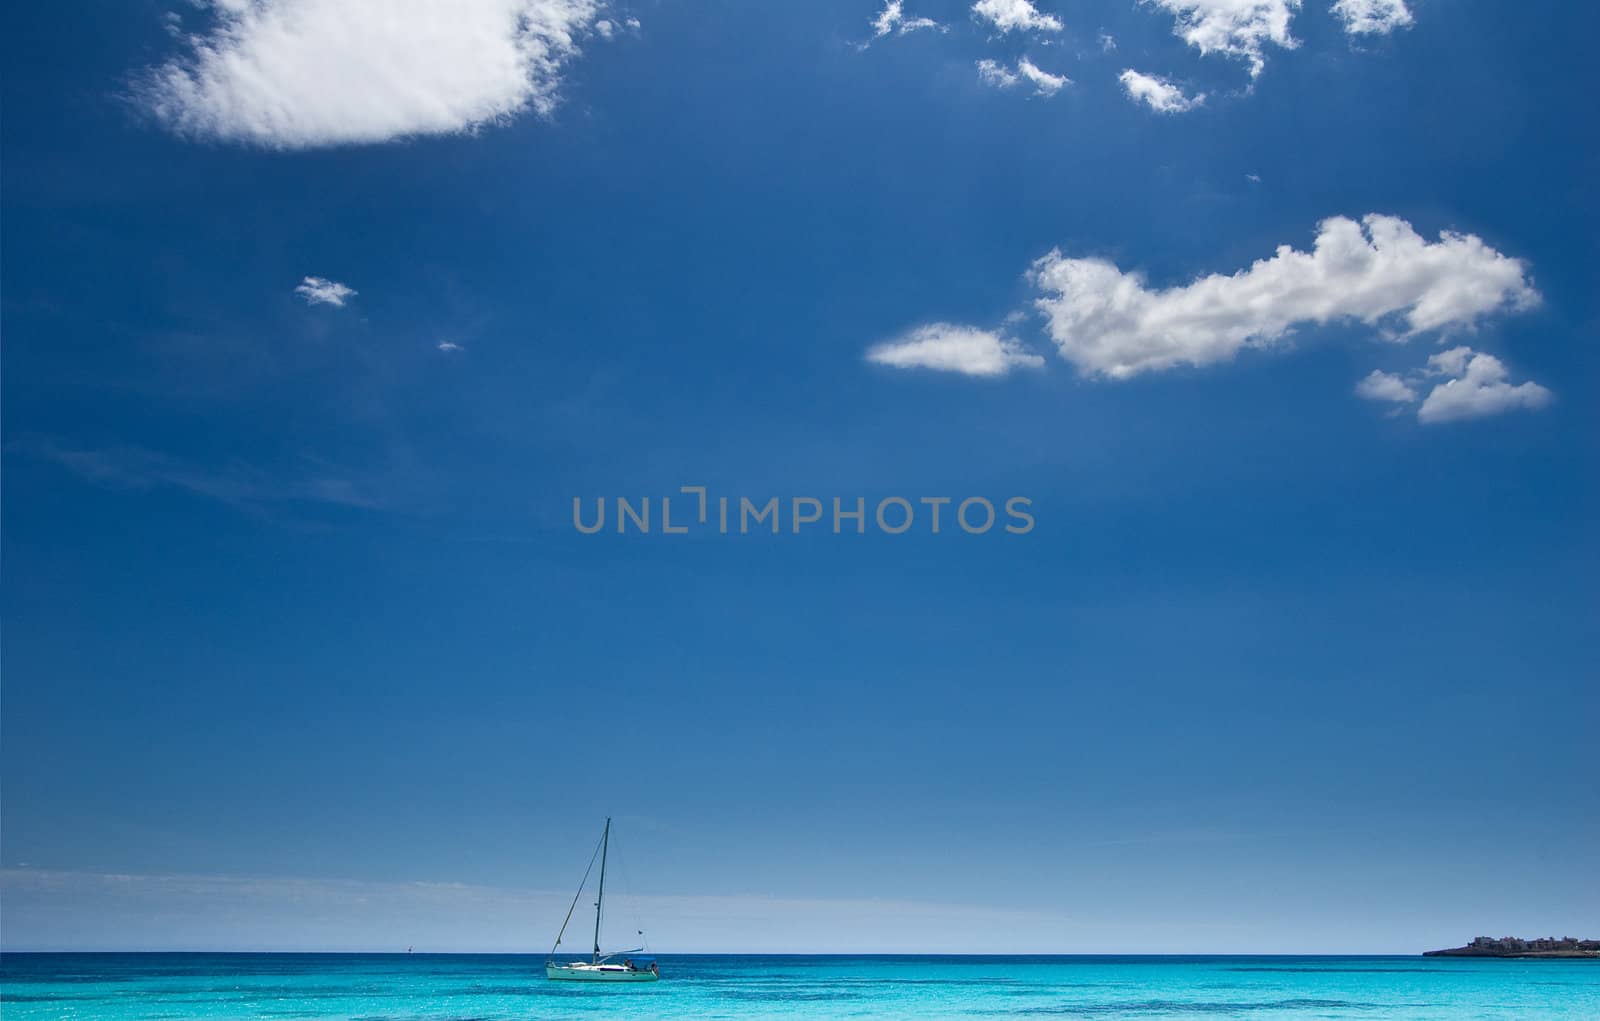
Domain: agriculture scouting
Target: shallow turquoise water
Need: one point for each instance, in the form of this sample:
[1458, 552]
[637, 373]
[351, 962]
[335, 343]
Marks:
[115, 987]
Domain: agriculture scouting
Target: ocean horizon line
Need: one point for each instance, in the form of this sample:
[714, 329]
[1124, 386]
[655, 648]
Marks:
[873, 954]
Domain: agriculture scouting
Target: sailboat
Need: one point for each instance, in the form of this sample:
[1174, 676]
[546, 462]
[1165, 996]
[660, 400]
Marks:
[599, 967]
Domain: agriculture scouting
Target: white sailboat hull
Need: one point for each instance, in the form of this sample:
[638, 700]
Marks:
[597, 973]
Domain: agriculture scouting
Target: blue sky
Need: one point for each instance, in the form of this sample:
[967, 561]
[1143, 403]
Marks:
[305, 364]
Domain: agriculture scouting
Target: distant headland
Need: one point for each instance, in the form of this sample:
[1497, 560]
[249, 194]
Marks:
[1510, 946]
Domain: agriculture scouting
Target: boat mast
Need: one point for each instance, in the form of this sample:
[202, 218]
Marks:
[605, 843]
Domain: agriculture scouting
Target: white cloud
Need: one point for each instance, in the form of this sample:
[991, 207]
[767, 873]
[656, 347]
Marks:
[1233, 28]
[997, 75]
[1108, 322]
[1372, 17]
[448, 346]
[1158, 93]
[306, 73]
[322, 291]
[1108, 42]
[1015, 16]
[1385, 386]
[1477, 388]
[951, 348]
[1044, 83]
[1449, 363]
[893, 19]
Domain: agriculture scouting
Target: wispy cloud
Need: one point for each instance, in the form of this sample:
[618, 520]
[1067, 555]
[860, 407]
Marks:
[1044, 83]
[946, 347]
[237, 484]
[1385, 386]
[448, 346]
[1001, 77]
[1158, 94]
[322, 291]
[84, 910]
[1372, 17]
[893, 18]
[305, 73]
[607, 28]
[992, 72]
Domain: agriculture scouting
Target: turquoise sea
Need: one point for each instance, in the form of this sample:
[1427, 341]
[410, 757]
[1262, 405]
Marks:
[177, 987]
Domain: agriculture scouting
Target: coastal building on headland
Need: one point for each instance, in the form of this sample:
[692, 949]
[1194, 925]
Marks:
[1511, 946]
[1523, 946]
